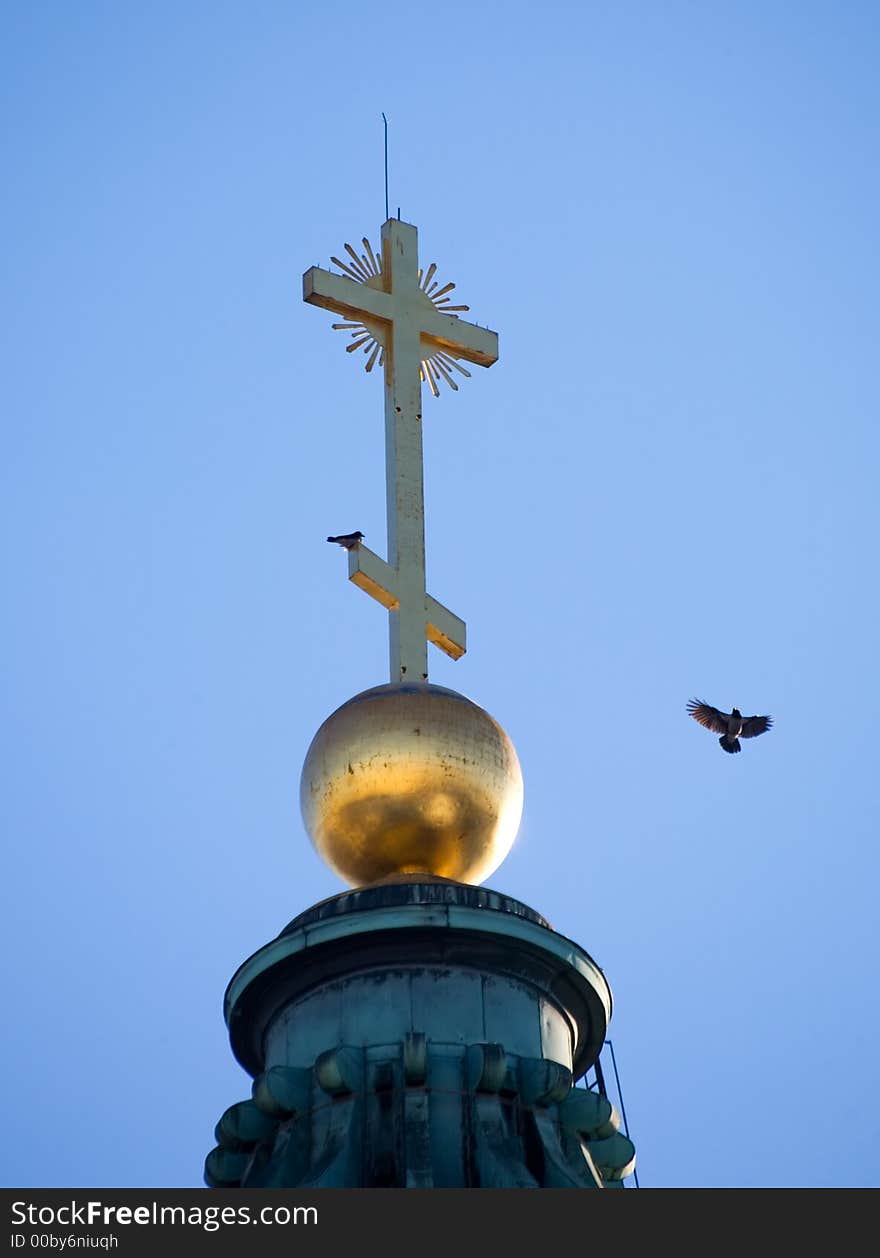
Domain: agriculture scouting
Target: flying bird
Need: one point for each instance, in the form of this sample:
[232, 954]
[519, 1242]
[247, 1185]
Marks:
[731, 726]
[348, 540]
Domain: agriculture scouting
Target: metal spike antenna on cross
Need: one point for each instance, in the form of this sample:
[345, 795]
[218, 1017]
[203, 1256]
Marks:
[400, 315]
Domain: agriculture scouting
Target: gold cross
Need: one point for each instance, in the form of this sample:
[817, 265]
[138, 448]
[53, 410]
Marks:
[398, 316]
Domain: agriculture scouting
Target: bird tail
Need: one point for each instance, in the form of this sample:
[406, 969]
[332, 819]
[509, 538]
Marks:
[730, 744]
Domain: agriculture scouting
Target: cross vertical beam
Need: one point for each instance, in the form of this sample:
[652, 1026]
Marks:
[408, 644]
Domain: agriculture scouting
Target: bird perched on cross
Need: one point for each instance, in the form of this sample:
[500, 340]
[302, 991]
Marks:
[348, 540]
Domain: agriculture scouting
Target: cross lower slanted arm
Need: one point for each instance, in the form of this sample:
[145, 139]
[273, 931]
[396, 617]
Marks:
[375, 577]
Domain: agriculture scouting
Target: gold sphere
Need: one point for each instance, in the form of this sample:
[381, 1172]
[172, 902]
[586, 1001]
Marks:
[406, 779]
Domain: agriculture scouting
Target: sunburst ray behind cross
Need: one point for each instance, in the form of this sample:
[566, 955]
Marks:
[366, 268]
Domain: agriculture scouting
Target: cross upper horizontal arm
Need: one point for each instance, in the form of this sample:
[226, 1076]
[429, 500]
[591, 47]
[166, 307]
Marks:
[344, 296]
[464, 340]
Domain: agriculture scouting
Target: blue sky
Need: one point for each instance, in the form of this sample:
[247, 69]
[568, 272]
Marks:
[665, 487]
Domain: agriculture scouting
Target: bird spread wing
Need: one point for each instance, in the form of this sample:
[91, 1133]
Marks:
[708, 717]
[755, 725]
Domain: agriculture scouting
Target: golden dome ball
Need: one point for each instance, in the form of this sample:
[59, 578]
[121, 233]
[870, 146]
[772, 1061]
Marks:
[407, 779]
